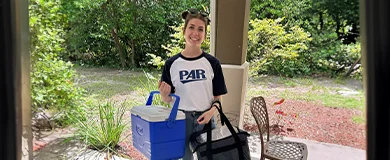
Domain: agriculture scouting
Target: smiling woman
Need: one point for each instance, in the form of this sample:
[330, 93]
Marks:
[194, 31]
[374, 37]
[195, 76]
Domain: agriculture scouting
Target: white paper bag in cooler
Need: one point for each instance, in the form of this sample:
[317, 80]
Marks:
[158, 132]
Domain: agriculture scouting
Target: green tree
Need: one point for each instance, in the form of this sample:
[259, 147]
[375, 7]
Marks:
[345, 14]
[52, 79]
[133, 29]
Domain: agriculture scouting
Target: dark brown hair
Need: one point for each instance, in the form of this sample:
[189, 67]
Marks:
[194, 13]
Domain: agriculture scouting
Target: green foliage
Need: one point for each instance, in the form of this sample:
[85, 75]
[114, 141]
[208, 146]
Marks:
[103, 132]
[333, 57]
[149, 83]
[266, 9]
[294, 11]
[358, 73]
[346, 10]
[351, 52]
[52, 85]
[52, 79]
[273, 50]
[135, 33]
[47, 24]
[103, 33]
[89, 39]
[332, 25]
[158, 61]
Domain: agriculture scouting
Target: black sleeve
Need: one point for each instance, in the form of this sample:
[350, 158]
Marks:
[219, 86]
[166, 75]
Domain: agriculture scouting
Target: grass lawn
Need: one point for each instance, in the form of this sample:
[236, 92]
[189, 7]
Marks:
[134, 86]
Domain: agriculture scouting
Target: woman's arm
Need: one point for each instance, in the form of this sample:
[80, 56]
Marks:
[205, 117]
[216, 98]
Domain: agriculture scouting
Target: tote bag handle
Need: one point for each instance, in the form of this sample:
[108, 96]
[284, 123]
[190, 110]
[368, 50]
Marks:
[224, 119]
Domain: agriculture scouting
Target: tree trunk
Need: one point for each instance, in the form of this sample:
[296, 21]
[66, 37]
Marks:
[115, 30]
[352, 68]
[321, 21]
[336, 18]
[132, 40]
[132, 52]
[132, 43]
[118, 47]
[338, 28]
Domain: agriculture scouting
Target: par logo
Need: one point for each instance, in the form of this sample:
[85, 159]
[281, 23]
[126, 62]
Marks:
[191, 76]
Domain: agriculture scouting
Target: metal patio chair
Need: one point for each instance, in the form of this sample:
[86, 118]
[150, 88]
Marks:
[274, 149]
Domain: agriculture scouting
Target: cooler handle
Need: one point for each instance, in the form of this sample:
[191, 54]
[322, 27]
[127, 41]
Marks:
[175, 108]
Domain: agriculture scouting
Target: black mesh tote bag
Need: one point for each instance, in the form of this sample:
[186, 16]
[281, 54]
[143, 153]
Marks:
[221, 143]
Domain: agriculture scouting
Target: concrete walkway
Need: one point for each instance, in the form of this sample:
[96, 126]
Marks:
[63, 149]
[317, 150]
[58, 149]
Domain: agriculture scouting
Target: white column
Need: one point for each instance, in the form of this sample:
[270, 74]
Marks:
[229, 34]
[213, 15]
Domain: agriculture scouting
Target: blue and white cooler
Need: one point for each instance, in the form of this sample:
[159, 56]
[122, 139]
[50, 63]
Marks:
[158, 131]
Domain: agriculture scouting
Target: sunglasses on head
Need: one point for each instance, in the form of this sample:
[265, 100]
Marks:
[194, 12]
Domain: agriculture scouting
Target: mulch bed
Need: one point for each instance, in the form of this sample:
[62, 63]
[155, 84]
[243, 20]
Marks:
[314, 122]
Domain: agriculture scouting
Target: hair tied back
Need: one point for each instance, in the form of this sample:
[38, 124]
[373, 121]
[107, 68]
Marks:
[184, 15]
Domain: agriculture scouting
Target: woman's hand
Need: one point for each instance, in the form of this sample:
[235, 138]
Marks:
[164, 89]
[206, 116]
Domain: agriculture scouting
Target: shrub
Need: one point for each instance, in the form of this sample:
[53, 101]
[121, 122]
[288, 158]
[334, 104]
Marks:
[329, 55]
[52, 79]
[274, 50]
[53, 88]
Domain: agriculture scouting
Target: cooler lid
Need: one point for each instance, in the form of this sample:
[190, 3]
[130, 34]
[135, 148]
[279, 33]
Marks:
[155, 113]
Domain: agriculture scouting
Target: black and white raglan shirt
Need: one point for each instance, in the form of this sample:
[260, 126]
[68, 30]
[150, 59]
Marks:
[195, 80]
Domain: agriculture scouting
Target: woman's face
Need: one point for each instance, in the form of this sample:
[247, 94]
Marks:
[194, 33]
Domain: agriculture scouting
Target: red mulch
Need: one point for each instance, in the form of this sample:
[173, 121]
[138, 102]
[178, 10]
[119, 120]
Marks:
[37, 145]
[314, 122]
[129, 150]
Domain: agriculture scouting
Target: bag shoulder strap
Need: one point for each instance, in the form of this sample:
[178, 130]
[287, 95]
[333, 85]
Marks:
[224, 119]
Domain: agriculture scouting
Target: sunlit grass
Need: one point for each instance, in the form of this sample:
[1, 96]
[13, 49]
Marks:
[359, 119]
[105, 89]
[108, 83]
